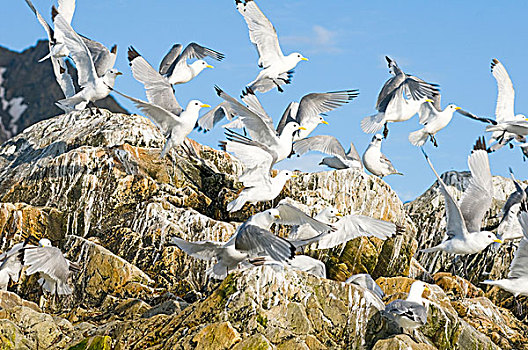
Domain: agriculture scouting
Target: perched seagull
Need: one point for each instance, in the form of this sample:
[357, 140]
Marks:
[307, 112]
[517, 281]
[399, 99]
[163, 108]
[277, 68]
[93, 87]
[10, 265]
[364, 280]
[175, 67]
[464, 219]
[330, 145]
[53, 268]
[259, 125]
[411, 312]
[249, 242]
[375, 161]
[346, 228]
[433, 119]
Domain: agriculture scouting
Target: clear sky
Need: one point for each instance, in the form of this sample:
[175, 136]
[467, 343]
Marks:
[447, 42]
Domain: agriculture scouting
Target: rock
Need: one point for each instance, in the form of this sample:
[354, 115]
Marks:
[9, 300]
[11, 337]
[216, 336]
[401, 341]
[94, 343]
[168, 307]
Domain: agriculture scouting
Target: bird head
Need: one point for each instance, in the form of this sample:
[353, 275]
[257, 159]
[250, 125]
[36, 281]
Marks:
[322, 121]
[44, 242]
[200, 65]
[196, 105]
[297, 57]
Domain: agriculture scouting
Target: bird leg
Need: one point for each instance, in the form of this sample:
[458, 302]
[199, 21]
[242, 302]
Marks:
[278, 86]
[385, 131]
[453, 265]
[433, 140]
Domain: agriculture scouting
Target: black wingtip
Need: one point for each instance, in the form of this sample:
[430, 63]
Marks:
[480, 144]
[132, 54]
[54, 12]
[494, 62]
[114, 49]
[222, 145]
[218, 90]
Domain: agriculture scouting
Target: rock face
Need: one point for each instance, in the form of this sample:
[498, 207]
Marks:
[28, 90]
[96, 187]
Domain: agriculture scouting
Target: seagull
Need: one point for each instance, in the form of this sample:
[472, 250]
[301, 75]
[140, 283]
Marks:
[464, 219]
[259, 125]
[175, 67]
[163, 108]
[10, 265]
[307, 112]
[509, 227]
[411, 312]
[93, 87]
[214, 116]
[53, 268]
[399, 99]
[57, 59]
[346, 228]
[433, 119]
[375, 161]
[517, 281]
[330, 145]
[364, 280]
[277, 68]
[308, 264]
[249, 242]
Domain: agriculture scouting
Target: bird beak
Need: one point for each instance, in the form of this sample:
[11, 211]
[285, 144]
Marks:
[457, 108]
[119, 73]
[304, 59]
[426, 289]
[302, 128]
[429, 100]
[324, 122]
[339, 214]
[497, 241]
[205, 106]
[209, 66]
[277, 217]
[295, 175]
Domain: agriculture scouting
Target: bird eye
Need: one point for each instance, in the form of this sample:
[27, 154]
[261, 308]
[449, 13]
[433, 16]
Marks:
[489, 236]
[196, 103]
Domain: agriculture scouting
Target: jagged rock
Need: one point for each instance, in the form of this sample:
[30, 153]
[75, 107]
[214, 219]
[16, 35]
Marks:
[94, 343]
[9, 300]
[401, 341]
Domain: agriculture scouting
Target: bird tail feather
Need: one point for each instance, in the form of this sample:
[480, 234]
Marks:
[418, 137]
[373, 123]
[430, 250]
[236, 204]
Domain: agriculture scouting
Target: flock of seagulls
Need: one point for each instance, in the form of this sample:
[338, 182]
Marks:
[260, 145]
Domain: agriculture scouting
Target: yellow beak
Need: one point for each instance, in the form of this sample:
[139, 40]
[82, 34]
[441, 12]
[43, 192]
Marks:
[457, 108]
[426, 289]
[304, 59]
[429, 100]
[324, 122]
[295, 175]
[205, 106]
[209, 66]
[339, 214]
[497, 241]
[302, 128]
[277, 217]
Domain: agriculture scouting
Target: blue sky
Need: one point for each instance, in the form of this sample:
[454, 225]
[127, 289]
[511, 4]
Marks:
[448, 42]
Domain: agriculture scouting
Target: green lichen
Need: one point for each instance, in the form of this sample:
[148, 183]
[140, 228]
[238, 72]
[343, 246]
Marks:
[262, 320]
[94, 343]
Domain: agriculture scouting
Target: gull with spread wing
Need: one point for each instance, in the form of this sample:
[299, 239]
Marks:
[93, 87]
[399, 99]
[330, 145]
[464, 219]
[162, 107]
[277, 69]
[174, 65]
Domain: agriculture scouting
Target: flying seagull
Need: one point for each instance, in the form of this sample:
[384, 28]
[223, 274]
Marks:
[463, 220]
[375, 161]
[330, 145]
[434, 119]
[399, 99]
[93, 87]
[307, 112]
[162, 107]
[277, 69]
[175, 67]
[411, 312]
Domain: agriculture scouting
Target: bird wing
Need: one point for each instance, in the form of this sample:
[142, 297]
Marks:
[388, 90]
[158, 89]
[261, 33]
[313, 104]
[168, 62]
[384, 159]
[254, 105]
[353, 226]
[47, 260]
[103, 58]
[62, 76]
[455, 224]
[215, 115]
[411, 310]
[291, 215]
[258, 241]
[165, 120]
[193, 50]
[473, 116]
[79, 52]
[66, 8]
[42, 21]
[476, 200]
[289, 115]
[257, 128]
[366, 281]
[426, 113]
[506, 94]
[321, 143]
[519, 264]
[204, 250]
[353, 153]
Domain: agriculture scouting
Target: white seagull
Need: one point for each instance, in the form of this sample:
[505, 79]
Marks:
[277, 68]
[433, 119]
[175, 67]
[93, 87]
[163, 108]
[375, 161]
[399, 99]
[10, 265]
[411, 312]
[464, 219]
[330, 145]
